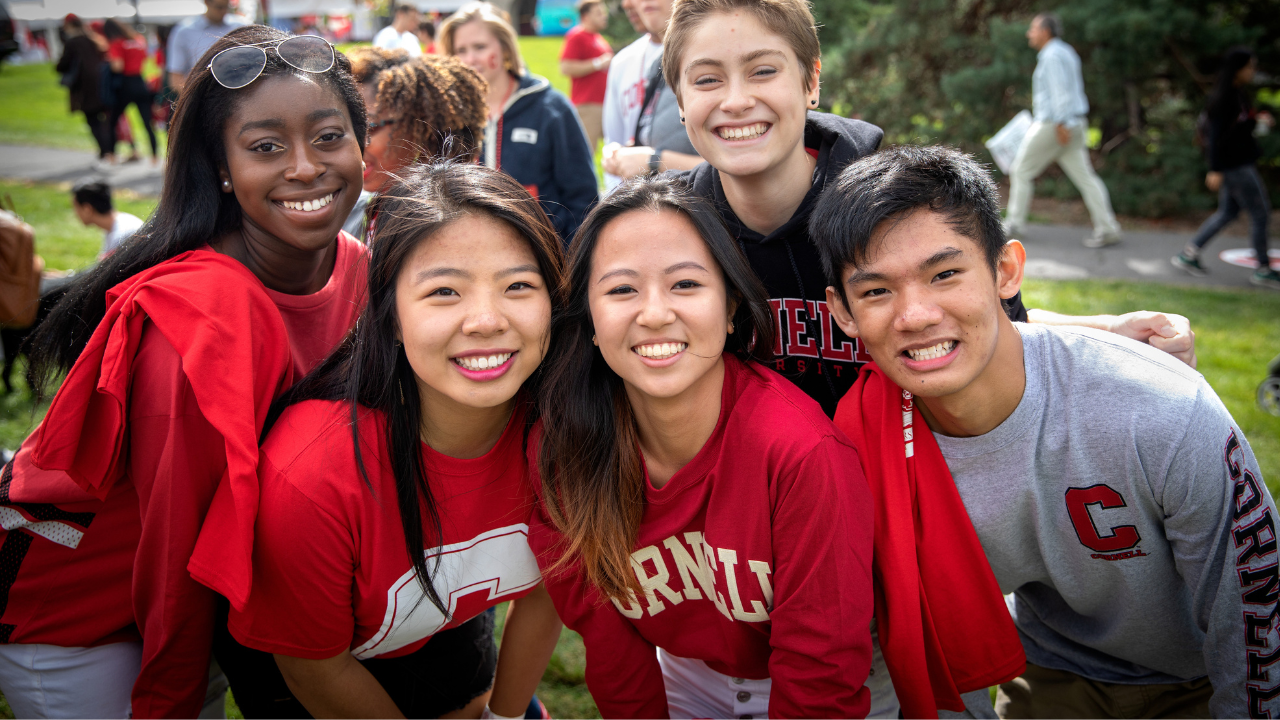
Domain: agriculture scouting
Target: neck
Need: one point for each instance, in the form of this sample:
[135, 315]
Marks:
[106, 221]
[281, 267]
[767, 200]
[673, 430]
[461, 431]
[499, 91]
[214, 18]
[990, 399]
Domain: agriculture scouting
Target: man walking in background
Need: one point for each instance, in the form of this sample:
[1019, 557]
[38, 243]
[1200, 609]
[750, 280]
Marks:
[193, 37]
[585, 60]
[401, 34]
[1059, 106]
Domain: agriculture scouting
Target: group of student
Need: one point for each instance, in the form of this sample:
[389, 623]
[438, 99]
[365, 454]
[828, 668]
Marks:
[773, 435]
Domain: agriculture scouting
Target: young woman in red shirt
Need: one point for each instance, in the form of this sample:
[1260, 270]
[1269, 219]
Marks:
[689, 492]
[174, 347]
[400, 463]
[126, 54]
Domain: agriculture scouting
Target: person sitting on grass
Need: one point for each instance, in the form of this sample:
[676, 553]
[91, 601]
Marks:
[91, 199]
[1115, 497]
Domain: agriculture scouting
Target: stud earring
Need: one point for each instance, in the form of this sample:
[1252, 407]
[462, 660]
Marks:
[593, 340]
[813, 102]
[681, 119]
[226, 184]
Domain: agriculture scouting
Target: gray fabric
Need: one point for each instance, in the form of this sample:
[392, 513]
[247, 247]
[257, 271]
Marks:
[666, 131]
[1158, 575]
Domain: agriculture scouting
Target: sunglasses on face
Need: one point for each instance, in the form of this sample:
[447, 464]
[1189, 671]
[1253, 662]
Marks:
[236, 67]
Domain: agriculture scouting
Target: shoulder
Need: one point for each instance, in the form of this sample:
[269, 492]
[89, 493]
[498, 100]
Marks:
[771, 411]
[698, 180]
[1130, 371]
[312, 439]
[853, 138]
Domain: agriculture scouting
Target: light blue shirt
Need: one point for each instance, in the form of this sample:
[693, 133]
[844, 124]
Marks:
[192, 38]
[1057, 86]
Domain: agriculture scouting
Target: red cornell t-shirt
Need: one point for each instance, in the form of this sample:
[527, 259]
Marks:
[579, 44]
[330, 570]
[755, 558]
[72, 579]
[132, 52]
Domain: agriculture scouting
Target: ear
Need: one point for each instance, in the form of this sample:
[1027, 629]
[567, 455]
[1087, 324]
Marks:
[734, 301]
[839, 311]
[1009, 269]
[811, 97]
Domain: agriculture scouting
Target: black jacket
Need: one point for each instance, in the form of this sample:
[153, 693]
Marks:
[1231, 123]
[788, 265]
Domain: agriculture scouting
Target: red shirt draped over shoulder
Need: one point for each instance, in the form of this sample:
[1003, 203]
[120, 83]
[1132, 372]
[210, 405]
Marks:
[102, 504]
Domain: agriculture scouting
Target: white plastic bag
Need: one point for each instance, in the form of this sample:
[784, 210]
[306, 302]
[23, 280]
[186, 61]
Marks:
[1004, 144]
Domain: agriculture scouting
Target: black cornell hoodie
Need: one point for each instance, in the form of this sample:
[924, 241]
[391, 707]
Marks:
[811, 350]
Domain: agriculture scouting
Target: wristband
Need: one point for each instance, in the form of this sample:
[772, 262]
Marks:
[491, 715]
[655, 161]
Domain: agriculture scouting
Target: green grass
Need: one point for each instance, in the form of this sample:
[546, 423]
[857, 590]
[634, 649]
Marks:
[37, 111]
[63, 242]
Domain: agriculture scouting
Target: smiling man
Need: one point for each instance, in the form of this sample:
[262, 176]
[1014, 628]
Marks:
[1114, 496]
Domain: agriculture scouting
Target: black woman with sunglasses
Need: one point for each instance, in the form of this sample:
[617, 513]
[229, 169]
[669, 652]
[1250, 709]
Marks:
[173, 348]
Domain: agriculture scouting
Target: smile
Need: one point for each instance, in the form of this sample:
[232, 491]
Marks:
[750, 132]
[477, 363]
[660, 351]
[932, 353]
[308, 205]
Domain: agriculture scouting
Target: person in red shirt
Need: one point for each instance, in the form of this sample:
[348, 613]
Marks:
[401, 462]
[126, 53]
[689, 493]
[174, 347]
[585, 60]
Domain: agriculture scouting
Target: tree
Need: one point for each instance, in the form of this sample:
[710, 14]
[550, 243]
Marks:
[955, 72]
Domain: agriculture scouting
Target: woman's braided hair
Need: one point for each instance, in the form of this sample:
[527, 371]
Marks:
[439, 103]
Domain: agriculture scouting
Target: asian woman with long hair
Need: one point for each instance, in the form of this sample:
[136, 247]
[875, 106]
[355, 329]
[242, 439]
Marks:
[690, 493]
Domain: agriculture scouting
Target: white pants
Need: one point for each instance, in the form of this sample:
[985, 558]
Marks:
[696, 691]
[1039, 148]
[49, 681]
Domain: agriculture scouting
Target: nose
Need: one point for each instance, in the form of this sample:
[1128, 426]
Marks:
[737, 99]
[485, 318]
[655, 311]
[304, 166]
[916, 312]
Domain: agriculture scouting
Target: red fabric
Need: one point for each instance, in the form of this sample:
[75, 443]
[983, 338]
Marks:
[132, 52]
[943, 624]
[772, 513]
[165, 345]
[330, 555]
[581, 44]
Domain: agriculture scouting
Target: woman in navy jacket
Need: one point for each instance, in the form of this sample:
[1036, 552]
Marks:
[533, 133]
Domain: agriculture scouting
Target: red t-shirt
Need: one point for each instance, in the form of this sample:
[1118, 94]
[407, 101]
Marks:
[89, 572]
[330, 570]
[755, 558]
[580, 44]
[132, 52]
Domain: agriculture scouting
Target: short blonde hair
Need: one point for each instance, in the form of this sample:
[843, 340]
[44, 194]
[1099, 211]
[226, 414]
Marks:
[498, 22]
[790, 19]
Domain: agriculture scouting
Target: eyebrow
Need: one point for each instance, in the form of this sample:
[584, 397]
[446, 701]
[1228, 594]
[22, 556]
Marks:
[530, 267]
[278, 124]
[322, 113]
[943, 255]
[687, 265]
[753, 55]
[433, 273]
[619, 271]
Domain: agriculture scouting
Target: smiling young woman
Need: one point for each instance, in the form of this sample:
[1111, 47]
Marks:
[664, 490]
[401, 461]
[174, 346]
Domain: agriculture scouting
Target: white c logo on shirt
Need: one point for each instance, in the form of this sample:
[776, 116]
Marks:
[499, 561]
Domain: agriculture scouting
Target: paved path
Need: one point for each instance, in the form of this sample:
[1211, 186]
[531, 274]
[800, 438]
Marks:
[1053, 252]
[59, 166]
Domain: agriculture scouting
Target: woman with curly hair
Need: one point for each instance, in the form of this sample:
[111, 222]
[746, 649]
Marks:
[425, 108]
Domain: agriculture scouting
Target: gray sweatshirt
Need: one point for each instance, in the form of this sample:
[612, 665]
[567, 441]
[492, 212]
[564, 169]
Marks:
[1123, 509]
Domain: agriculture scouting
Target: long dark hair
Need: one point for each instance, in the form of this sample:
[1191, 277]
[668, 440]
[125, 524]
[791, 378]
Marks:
[192, 212]
[1224, 88]
[369, 368]
[589, 459]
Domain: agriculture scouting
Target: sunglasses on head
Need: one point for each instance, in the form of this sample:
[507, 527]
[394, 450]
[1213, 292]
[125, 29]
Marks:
[236, 67]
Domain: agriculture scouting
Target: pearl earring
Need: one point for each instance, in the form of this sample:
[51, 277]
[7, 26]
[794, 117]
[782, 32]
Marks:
[681, 119]
[226, 184]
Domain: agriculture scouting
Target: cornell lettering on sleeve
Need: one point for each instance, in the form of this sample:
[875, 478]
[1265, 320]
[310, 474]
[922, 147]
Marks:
[1254, 535]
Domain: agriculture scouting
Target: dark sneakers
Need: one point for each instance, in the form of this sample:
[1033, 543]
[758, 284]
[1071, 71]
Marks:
[1266, 277]
[1189, 265]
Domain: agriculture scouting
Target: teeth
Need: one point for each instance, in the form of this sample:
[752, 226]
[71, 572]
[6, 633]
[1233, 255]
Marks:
[482, 362]
[309, 205]
[661, 351]
[932, 353]
[744, 133]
